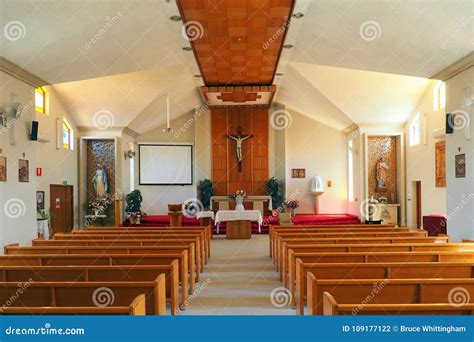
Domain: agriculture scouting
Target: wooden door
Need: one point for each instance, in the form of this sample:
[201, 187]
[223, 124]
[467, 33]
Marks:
[62, 208]
[418, 205]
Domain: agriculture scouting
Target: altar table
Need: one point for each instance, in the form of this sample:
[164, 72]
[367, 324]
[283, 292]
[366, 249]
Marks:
[257, 201]
[239, 217]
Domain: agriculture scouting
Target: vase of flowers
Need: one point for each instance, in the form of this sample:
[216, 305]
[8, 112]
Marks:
[291, 206]
[99, 206]
[238, 196]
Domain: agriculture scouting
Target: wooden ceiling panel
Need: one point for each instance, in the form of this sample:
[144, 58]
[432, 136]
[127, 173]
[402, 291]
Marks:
[241, 40]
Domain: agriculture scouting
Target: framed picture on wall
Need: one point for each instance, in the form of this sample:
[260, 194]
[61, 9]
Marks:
[298, 173]
[23, 171]
[460, 165]
[39, 200]
[3, 169]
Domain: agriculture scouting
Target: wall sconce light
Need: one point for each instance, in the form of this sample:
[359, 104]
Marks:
[129, 154]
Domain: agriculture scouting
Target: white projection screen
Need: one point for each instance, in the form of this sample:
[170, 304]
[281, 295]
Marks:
[162, 164]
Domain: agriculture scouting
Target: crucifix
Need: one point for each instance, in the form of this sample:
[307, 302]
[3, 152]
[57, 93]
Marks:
[239, 137]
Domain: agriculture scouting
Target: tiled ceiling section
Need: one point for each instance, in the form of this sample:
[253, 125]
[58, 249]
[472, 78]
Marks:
[236, 42]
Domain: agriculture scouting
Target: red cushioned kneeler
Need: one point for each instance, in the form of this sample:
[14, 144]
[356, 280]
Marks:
[435, 224]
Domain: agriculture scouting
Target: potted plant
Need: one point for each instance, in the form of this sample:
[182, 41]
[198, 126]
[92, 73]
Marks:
[206, 192]
[238, 196]
[291, 205]
[134, 204]
[275, 190]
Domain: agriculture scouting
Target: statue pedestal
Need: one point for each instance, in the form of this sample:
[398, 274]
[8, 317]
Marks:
[316, 195]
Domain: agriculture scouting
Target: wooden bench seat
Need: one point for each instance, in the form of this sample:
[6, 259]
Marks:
[355, 240]
[103, 259]
[293, 251]
[333, 308]
[136, 308]
[376, 271]
[70, 294]
[384, 291]
[133, 273]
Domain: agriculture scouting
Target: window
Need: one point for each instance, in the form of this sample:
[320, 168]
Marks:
[415, 130]
[439, 95]
[350, 164]
[68, 136]
[40, 100]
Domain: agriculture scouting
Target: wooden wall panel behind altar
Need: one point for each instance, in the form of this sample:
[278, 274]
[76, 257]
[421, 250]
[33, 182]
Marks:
[383, 149]
[101, 152]
[253, 175]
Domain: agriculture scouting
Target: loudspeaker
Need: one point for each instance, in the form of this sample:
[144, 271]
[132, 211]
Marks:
[34, 130]
[449, 123]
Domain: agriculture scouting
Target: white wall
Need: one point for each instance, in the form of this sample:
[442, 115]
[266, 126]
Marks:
[318, 149]
[460, 191]
[57, 164]
[420, 160]
[157, 197]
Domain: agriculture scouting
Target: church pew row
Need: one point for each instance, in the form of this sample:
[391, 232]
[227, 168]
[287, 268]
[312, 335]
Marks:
[205, 233]
[390, 270]
[282, 249]
[102, 259]
[145, 230]
[136, 308]
[274, 229]
[332, 308]
[293, 251]
[88, 273]
[70, 294]
[140, 237]
[386, 291]
[110, 247]
[280, 238]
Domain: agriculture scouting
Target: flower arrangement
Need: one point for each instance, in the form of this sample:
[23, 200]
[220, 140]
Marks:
[134, 203]
[238, 193]
[292, 204]
[99, 205]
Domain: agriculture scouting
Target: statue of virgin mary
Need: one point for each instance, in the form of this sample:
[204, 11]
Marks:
[99, 182]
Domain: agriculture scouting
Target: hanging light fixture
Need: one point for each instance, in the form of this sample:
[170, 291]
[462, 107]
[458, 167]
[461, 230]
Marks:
[168, 128]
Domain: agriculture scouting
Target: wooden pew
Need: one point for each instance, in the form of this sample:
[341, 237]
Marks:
[103, 259]
[140, 237]
[293, 251]
[274, 229]
[354, 240]
[130, 273]
[333, 308]
[136, 308]
[72, 248]
[403, 270]
[384, 291]
[70, 294]
[205, 232]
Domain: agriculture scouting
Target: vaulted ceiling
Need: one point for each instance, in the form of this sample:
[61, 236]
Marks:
[125, 55]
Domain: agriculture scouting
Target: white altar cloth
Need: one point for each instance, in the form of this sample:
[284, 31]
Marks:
[205, 214]
[238, 215]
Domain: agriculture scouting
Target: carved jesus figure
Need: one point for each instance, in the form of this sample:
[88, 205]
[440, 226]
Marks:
[382, 170]
[239, 138]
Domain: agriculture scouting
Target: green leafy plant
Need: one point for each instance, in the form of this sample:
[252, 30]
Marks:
[206, 191]
[42, 215]
[134, 204]
[275, 190]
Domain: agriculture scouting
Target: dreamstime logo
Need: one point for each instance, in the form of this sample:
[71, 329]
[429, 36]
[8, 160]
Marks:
[192, 30]
[22, 287]
[377, 287]
[14, 208]
[14, 30]
[103, 296]
[191, 207]
[281, 119]
[192, 297]
[367, 211]
[280, 297]
[459, 120]
[458, 296]
[370, 30]
[103, 119]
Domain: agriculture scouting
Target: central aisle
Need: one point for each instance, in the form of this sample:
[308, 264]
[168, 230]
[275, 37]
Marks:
[240, 278]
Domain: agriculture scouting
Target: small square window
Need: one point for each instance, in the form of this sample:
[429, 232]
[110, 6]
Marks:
[415, 130]
[68, 136]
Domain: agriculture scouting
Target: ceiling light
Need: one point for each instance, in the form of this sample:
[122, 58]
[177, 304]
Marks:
[298, 15]
[287, 46]
[175, 18]
[168, 128]
[187, 48]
